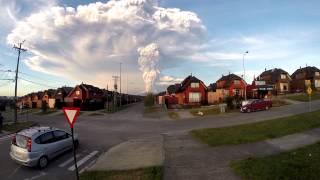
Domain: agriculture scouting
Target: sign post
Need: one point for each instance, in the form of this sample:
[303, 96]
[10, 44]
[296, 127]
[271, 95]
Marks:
[71, 116]
[309, 91]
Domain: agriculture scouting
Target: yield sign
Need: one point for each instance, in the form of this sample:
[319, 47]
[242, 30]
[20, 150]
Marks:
[71, 114]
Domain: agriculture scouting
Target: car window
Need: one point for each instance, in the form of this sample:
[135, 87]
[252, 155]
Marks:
[59, 135]
[21, 141]
[46, 138]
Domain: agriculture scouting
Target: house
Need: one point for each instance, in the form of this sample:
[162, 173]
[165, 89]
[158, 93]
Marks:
[305, 77]
[59, 96]
[191, 91]
[259, 89]
[231, 85]
[48, 98]
[25, 101]
[215, 95]
[278, 78]
[85, 96]
[36, 100]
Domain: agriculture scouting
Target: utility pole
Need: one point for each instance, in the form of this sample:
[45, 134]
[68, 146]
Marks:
[120, 86]
[244, 76]
[115, 79]
[19, 49]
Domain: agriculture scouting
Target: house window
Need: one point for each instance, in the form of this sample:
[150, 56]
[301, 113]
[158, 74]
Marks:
[284, 87]
[317, 83]
[317, 73]
[194, 97]
[236, 92]
[283, 76]
[236, 82]
[194, 85]
[78, 93]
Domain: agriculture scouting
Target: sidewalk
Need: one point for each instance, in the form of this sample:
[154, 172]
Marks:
[186, 158]
[133, 154]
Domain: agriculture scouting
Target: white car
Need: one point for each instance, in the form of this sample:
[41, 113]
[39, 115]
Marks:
[35, 146]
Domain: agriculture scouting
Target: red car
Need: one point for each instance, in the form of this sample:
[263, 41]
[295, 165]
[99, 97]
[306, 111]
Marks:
[256, 105]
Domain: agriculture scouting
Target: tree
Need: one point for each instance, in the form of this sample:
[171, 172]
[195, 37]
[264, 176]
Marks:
[149, 100]
[44, 106]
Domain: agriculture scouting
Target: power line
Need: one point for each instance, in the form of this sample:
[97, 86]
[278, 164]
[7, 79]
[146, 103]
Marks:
[32, 76]
[5, 84]
[45, 85]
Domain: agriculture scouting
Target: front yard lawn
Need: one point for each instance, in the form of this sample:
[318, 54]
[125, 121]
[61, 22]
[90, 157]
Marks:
[173, 115]
[258, 131]
[151, 109]
[205, 111]
[151, 173]
[279, 102]
[17, 126]
[49, 111]
[303, 163]
[304, 97]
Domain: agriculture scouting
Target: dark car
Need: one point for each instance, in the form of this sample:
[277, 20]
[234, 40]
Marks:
[256, 105]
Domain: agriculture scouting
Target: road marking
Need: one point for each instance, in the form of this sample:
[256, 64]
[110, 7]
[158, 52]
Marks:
[5, 137]
[68, 161]
[37, 176]
[83, 160]
[85, 168]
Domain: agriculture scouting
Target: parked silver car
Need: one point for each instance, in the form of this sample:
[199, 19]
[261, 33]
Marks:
[35, 146]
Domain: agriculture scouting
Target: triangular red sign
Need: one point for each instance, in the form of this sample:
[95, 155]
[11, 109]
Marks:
[71, 114]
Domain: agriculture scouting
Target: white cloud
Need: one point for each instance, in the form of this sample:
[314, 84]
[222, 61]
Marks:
[11, 11]
[169, 80]
[89, 41]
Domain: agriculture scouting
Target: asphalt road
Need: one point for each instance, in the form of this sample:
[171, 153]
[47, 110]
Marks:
[99, 133]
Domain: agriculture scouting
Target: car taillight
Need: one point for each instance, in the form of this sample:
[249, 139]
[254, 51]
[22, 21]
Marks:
[13, 140]
[29, 144]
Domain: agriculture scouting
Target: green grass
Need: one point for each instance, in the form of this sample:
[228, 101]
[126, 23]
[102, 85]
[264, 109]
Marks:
[303, 163]
[49, 111]
[304, 97]
[173, 115]
[279, 102]
[205, 111]
[151, 109]
[258, 131]
[151, 173]
[95, 114]
[111, 110]
[17, 126]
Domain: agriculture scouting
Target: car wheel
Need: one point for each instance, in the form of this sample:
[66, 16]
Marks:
[43, 162]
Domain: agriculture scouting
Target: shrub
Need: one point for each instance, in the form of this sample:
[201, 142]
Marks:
[44, 106]
[229, 100]
[149, 100]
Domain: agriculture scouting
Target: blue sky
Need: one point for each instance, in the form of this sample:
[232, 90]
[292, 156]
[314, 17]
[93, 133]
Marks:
[277, 35]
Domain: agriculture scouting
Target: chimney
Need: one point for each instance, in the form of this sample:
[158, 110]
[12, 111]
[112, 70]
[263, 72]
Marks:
[265, 69]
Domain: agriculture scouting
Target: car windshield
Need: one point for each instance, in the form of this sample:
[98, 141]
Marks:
[21, 141]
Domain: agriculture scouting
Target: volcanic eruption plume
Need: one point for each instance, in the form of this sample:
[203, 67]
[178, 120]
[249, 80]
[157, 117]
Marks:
[148, 61]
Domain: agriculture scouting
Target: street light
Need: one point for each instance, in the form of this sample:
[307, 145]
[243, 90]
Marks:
[244, 76]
